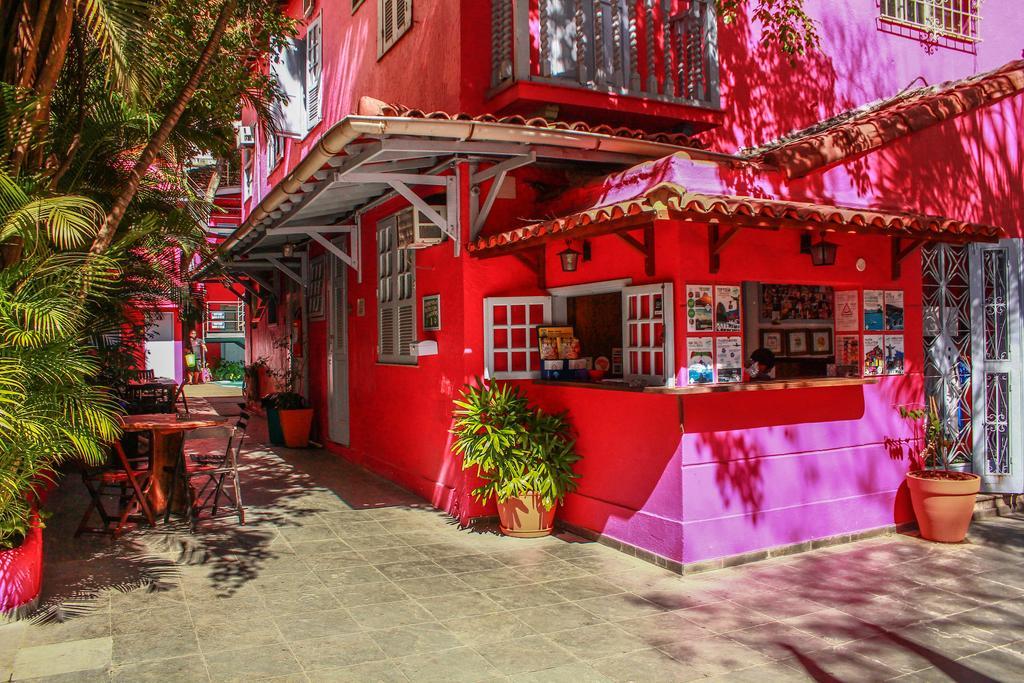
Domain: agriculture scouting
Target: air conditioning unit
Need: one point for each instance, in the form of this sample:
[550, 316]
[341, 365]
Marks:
[416, 231]
[246, 136]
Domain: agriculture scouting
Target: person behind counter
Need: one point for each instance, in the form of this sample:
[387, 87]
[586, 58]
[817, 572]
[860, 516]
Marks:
[762, 365]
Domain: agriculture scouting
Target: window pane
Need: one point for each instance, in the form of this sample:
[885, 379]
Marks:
[500, 338]
[519, 337]
[500, 315]
[518, 361]
[518, 314]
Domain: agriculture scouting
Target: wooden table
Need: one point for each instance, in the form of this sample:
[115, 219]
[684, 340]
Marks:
[168, 435]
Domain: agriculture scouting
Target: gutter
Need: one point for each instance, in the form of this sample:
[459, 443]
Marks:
[352, 127]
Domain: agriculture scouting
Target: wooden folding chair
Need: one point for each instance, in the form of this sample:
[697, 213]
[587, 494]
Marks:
[129, 483]
[179, 395]
[212, 477]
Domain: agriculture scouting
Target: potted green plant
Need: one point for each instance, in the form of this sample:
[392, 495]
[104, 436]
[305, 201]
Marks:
[524, 455]
[288, 407]
[943, 498]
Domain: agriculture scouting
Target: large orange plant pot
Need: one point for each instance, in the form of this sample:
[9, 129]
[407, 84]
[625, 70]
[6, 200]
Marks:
[943, 506]
[21, 573]
[295, 426]
[525, 517]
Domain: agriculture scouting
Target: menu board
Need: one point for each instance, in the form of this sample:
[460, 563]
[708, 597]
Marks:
[729, 359]
[848, 353]
[727, 308]
[699, 305]
[699, 360]
[874, 355]
[894, 310]
[847, 311]
[894, 354]
[874, 311]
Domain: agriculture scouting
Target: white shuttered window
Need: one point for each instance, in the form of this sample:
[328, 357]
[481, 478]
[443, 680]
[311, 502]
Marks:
[314, 67]
[396, 297]
[394, 18]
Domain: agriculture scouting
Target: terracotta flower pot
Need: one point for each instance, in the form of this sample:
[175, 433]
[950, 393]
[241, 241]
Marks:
[295, 426]
[525, 517]
[21, 573]
[943, 503]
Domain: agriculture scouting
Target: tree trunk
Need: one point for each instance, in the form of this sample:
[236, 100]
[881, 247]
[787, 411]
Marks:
[116, 214]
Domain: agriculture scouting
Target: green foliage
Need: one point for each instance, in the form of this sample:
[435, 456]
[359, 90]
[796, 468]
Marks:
[935, 454]
[516, 447]
[229, 370]
[784, 24]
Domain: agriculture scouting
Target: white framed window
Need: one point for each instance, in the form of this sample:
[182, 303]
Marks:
[647, 340]
[511, 349]
[275, 150]
[396, 297]
[958, 19]
[315, 289]
[248, 159]
[314, 68]
[394, 18]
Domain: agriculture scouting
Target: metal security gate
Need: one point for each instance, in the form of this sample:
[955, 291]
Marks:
[997, 392]
[948, 344]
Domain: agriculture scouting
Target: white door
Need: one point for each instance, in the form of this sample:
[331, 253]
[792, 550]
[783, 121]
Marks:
[996, 349]
[337, 355]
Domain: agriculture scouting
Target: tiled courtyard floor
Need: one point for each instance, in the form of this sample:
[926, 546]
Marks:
[342, 577]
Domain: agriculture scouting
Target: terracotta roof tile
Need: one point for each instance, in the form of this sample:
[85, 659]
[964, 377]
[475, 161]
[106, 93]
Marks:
[673, 201]
[369, 106]
[866, 128]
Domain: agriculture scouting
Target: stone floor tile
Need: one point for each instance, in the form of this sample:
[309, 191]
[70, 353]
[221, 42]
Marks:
[999, 664]
[454, 605]
[89, 676]
[724, 616]
[842, 664]
[350, 576]
[299, 600]
[312, 532]
[374, 542]
[431, 586]
[254, 663]
[886, 612]
[346, 530]
[576, 672]
[337, 651]
[191, 668]
[371, 672]
[775, 604]
[949, 639]
[489, 628]
[369, 594]
[896, 652]
[600, 640]
[458, 665]
[490, 579]
[646, 666]
[396, 614]
[664, 628]
[468, 563]
[777, 640]
[69, 657]
[406, 640]
[173, 641]
[833, 625]
[775, 673]
[523, 655]
[673, 599]
[557, 617]
[379, 556]
[414, 569]
[532, 595]
[1002, 620]
[583, 587]
[553, 570]
[936, 601]
[715, 655]
[160, 618]
[619, 606]
[221, 632]
[74, 628]
[525, 557]
[304, 626]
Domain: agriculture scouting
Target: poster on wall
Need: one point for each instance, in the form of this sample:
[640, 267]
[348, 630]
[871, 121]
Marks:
[432, 313]
[729, 359]
[848, 354]
[894, 310]
[874, 355]
[894, 354]
[847, 319]
[698, 308]
[727, 308]
[699, 359]
[795, 302]
[874, 312]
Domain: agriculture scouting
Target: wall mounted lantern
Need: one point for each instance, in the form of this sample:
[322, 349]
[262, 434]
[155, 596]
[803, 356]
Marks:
[570, 259]
[288, 250]
[823, 253]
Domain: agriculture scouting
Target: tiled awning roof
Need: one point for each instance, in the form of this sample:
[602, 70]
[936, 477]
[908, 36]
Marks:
[867, 128]
[668, 200]
[372, 107]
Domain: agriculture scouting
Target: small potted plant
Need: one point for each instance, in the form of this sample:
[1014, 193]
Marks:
[943, 498]
[524, 455]
[288, 408]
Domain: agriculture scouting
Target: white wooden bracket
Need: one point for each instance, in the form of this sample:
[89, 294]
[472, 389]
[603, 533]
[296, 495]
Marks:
[498, 172]
[350, 258]
[274, 261]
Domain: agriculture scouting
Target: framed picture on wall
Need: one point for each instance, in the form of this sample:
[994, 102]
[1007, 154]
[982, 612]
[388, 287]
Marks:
[772, 340]
[796, 343]
[432, 313]
[821, 342]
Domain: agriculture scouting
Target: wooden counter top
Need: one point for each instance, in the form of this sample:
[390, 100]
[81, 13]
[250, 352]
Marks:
[694, 389]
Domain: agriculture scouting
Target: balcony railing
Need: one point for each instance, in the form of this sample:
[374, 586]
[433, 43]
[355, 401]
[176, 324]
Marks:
[658, 49]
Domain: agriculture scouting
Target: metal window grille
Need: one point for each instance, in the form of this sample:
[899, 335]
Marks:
[959, 19]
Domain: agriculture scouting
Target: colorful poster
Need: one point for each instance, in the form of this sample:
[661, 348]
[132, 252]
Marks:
[894, 354]
[729, 359]
[874, 313]
[848, 354]
[795, 302]
[847, 311]
[698, 308]
[700, 360]
[874, 355]
[727, 308]
[894, 310]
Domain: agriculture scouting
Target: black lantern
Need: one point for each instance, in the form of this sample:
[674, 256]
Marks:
[823, 253]
[570, 259]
